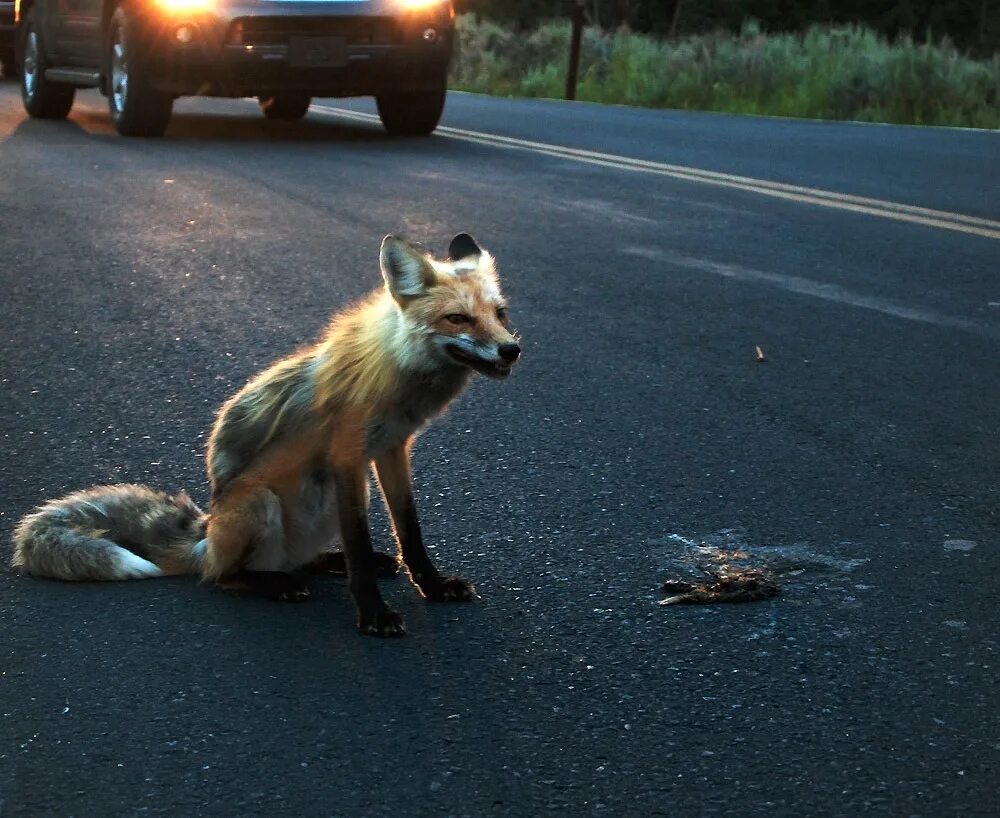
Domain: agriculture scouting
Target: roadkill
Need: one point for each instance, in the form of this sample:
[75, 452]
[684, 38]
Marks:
[723, 568]
[728, 584]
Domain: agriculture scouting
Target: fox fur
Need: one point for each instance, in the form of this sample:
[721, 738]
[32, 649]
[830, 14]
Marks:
[289, 455]
[111, 532]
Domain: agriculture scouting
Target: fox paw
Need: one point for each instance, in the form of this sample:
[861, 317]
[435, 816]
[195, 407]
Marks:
[284, 587]
[299, 594]
[449, 589]
[275, 585]
[385, 623]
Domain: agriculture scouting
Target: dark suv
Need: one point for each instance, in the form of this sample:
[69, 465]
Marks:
[143, 54]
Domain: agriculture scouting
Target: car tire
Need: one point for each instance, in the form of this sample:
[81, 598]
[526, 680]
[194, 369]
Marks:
[410, 114]
[285, 106]
[42, 98]
[137, 109]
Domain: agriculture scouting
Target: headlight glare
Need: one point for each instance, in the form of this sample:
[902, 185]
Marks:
[419, 5]
[181, 6]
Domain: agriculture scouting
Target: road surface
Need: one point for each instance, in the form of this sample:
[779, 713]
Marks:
[647, 256]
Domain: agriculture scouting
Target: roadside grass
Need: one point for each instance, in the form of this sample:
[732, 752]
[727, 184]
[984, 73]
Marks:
[829, 72]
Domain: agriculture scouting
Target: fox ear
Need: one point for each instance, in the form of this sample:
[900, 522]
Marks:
[463, 246]
[406, 270]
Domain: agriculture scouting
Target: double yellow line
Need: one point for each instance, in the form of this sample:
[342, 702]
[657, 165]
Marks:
[959, 222]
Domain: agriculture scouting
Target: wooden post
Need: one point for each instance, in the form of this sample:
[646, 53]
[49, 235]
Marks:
[675, 19]
[573, 70]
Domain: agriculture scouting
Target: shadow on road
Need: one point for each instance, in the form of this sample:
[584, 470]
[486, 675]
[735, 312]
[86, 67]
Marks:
[227, 128]
[205, 128]
[46, 131]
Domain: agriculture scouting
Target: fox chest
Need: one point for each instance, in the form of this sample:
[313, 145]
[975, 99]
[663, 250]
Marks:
[392, 430]
[417, 404]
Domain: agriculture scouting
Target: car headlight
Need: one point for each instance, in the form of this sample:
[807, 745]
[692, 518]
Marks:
[181, 6]
[419, 5]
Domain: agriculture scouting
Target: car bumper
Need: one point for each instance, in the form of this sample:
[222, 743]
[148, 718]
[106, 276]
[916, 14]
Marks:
[236, 71]
[245, 52]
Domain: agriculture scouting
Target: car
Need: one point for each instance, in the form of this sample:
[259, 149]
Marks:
[144, 54]
[7, 37]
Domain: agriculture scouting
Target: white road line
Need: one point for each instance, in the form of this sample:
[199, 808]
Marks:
[815, 289]
[928, 217]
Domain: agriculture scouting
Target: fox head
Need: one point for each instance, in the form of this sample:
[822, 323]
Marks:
[453, 308]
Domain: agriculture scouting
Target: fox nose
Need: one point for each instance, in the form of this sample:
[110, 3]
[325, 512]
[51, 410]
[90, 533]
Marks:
[509, 352]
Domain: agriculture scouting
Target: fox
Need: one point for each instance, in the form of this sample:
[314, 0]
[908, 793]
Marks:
[290, 454]
[111, 533]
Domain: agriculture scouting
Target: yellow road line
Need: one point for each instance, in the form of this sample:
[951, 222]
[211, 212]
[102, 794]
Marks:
[960, 222]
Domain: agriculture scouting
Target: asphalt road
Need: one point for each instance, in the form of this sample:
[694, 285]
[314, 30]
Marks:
[145, 281]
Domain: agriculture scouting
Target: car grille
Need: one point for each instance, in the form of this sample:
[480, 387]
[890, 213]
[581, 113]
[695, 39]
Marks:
[277, 30]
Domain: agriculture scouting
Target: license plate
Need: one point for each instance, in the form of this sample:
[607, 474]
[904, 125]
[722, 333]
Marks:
[317, 52]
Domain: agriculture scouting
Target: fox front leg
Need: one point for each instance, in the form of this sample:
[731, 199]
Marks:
[375, 618]
[393, 470]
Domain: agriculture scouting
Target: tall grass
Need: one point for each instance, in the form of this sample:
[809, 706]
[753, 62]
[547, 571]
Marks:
[841, 72]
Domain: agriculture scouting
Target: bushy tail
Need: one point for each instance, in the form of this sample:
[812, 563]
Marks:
[75, 538]
[68, 554]
[65, 553]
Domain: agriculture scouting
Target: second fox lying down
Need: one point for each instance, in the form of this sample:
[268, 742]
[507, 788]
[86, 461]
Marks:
[289, 454]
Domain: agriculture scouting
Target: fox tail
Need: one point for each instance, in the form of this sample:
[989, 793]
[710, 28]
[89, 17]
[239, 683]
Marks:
[72, 540]
[72, 555]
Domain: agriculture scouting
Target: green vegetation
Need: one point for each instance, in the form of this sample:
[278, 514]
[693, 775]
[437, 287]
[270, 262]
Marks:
[974, 25]
[832, 72]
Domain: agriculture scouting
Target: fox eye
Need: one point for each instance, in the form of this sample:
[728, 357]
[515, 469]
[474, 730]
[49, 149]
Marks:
[457, 318]
[502, 313]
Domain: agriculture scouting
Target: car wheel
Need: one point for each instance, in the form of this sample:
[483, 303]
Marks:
[42, 98]
[410, 114]
[136, 108]
[285, 106]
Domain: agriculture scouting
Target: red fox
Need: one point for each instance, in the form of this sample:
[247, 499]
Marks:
[289, 454]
